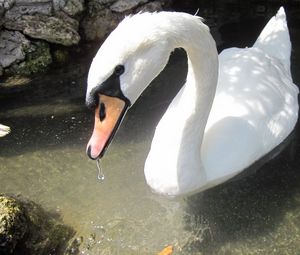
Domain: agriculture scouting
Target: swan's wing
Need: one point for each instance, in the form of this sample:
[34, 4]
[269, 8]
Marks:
[254, 110]
[274, 39]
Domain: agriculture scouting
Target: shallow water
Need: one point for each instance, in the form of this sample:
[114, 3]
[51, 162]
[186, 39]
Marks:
[44, 159]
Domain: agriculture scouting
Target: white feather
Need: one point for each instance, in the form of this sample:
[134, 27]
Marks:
[224, 118]
[4, 130]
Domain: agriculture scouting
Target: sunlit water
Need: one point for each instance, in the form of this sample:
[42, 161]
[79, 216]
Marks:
[44, 159]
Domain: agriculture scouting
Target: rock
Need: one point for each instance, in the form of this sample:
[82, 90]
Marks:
[96, 27]
[13, 225]
[125, 5]
[57, 22]
[25, 228]
[26, 7]
[151, 7]
[69, 7]
[30, 2]
[106, 2]
[38, 58]
[67, 19]
[93, 8]
[6, 5]
[72, 7]
[51, 29]
[13, 46]
[20, 56]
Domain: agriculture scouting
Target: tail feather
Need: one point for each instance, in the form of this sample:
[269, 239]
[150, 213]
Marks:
[275, 39]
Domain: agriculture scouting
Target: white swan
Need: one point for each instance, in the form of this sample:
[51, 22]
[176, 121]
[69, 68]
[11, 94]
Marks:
[215, 127]
[4, 130]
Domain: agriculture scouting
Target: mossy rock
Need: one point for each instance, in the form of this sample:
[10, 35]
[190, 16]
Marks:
[26, 228]
[38, 58]
[13, 224]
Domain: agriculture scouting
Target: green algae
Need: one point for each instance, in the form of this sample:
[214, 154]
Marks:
[26, 228]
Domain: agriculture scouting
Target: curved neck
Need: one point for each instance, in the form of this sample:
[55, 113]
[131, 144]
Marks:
[174, 164]
[199, 91]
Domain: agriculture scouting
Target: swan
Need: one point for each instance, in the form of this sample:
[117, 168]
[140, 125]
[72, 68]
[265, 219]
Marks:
[233, 109]
[4, 130]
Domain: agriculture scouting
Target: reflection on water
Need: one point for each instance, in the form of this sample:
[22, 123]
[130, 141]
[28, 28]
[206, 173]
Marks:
[44, 159]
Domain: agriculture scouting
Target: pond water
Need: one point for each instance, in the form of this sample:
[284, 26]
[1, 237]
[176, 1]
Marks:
[44, 159]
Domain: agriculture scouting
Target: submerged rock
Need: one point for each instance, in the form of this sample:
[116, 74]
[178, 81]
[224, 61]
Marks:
[25, 228]
[13, 224]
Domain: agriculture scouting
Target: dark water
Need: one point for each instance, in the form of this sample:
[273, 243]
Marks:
[44, 159]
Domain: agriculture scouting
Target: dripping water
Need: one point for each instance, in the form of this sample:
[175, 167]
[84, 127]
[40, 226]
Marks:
[100, 171]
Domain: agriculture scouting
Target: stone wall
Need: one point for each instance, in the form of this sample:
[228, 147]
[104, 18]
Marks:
[32, 30]
[29, 28]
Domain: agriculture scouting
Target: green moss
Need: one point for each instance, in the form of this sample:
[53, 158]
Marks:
[25, 228]
[12, 224]
[38, 58]
[60, 56]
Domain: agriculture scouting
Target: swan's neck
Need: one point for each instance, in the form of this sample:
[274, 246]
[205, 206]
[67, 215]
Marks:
[174, 163]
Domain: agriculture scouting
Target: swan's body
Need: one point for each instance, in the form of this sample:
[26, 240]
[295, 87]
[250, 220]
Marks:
[215, 127]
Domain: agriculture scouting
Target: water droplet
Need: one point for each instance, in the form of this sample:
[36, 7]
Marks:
[100, 171]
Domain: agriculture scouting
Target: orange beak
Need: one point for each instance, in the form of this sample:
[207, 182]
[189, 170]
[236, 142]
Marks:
[108, 116]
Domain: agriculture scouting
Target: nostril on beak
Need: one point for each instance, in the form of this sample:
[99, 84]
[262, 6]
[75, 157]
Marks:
[102, 112]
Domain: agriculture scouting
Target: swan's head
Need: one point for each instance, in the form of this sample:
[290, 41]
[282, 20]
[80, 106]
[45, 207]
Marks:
[130, 58]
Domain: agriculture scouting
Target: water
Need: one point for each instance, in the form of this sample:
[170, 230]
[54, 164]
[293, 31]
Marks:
[44, 159]
[101, 176]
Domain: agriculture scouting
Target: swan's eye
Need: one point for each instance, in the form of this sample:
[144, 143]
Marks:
[119, 69]
[102, 112]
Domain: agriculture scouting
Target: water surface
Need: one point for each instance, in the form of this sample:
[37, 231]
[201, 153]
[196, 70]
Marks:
[44, 159]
